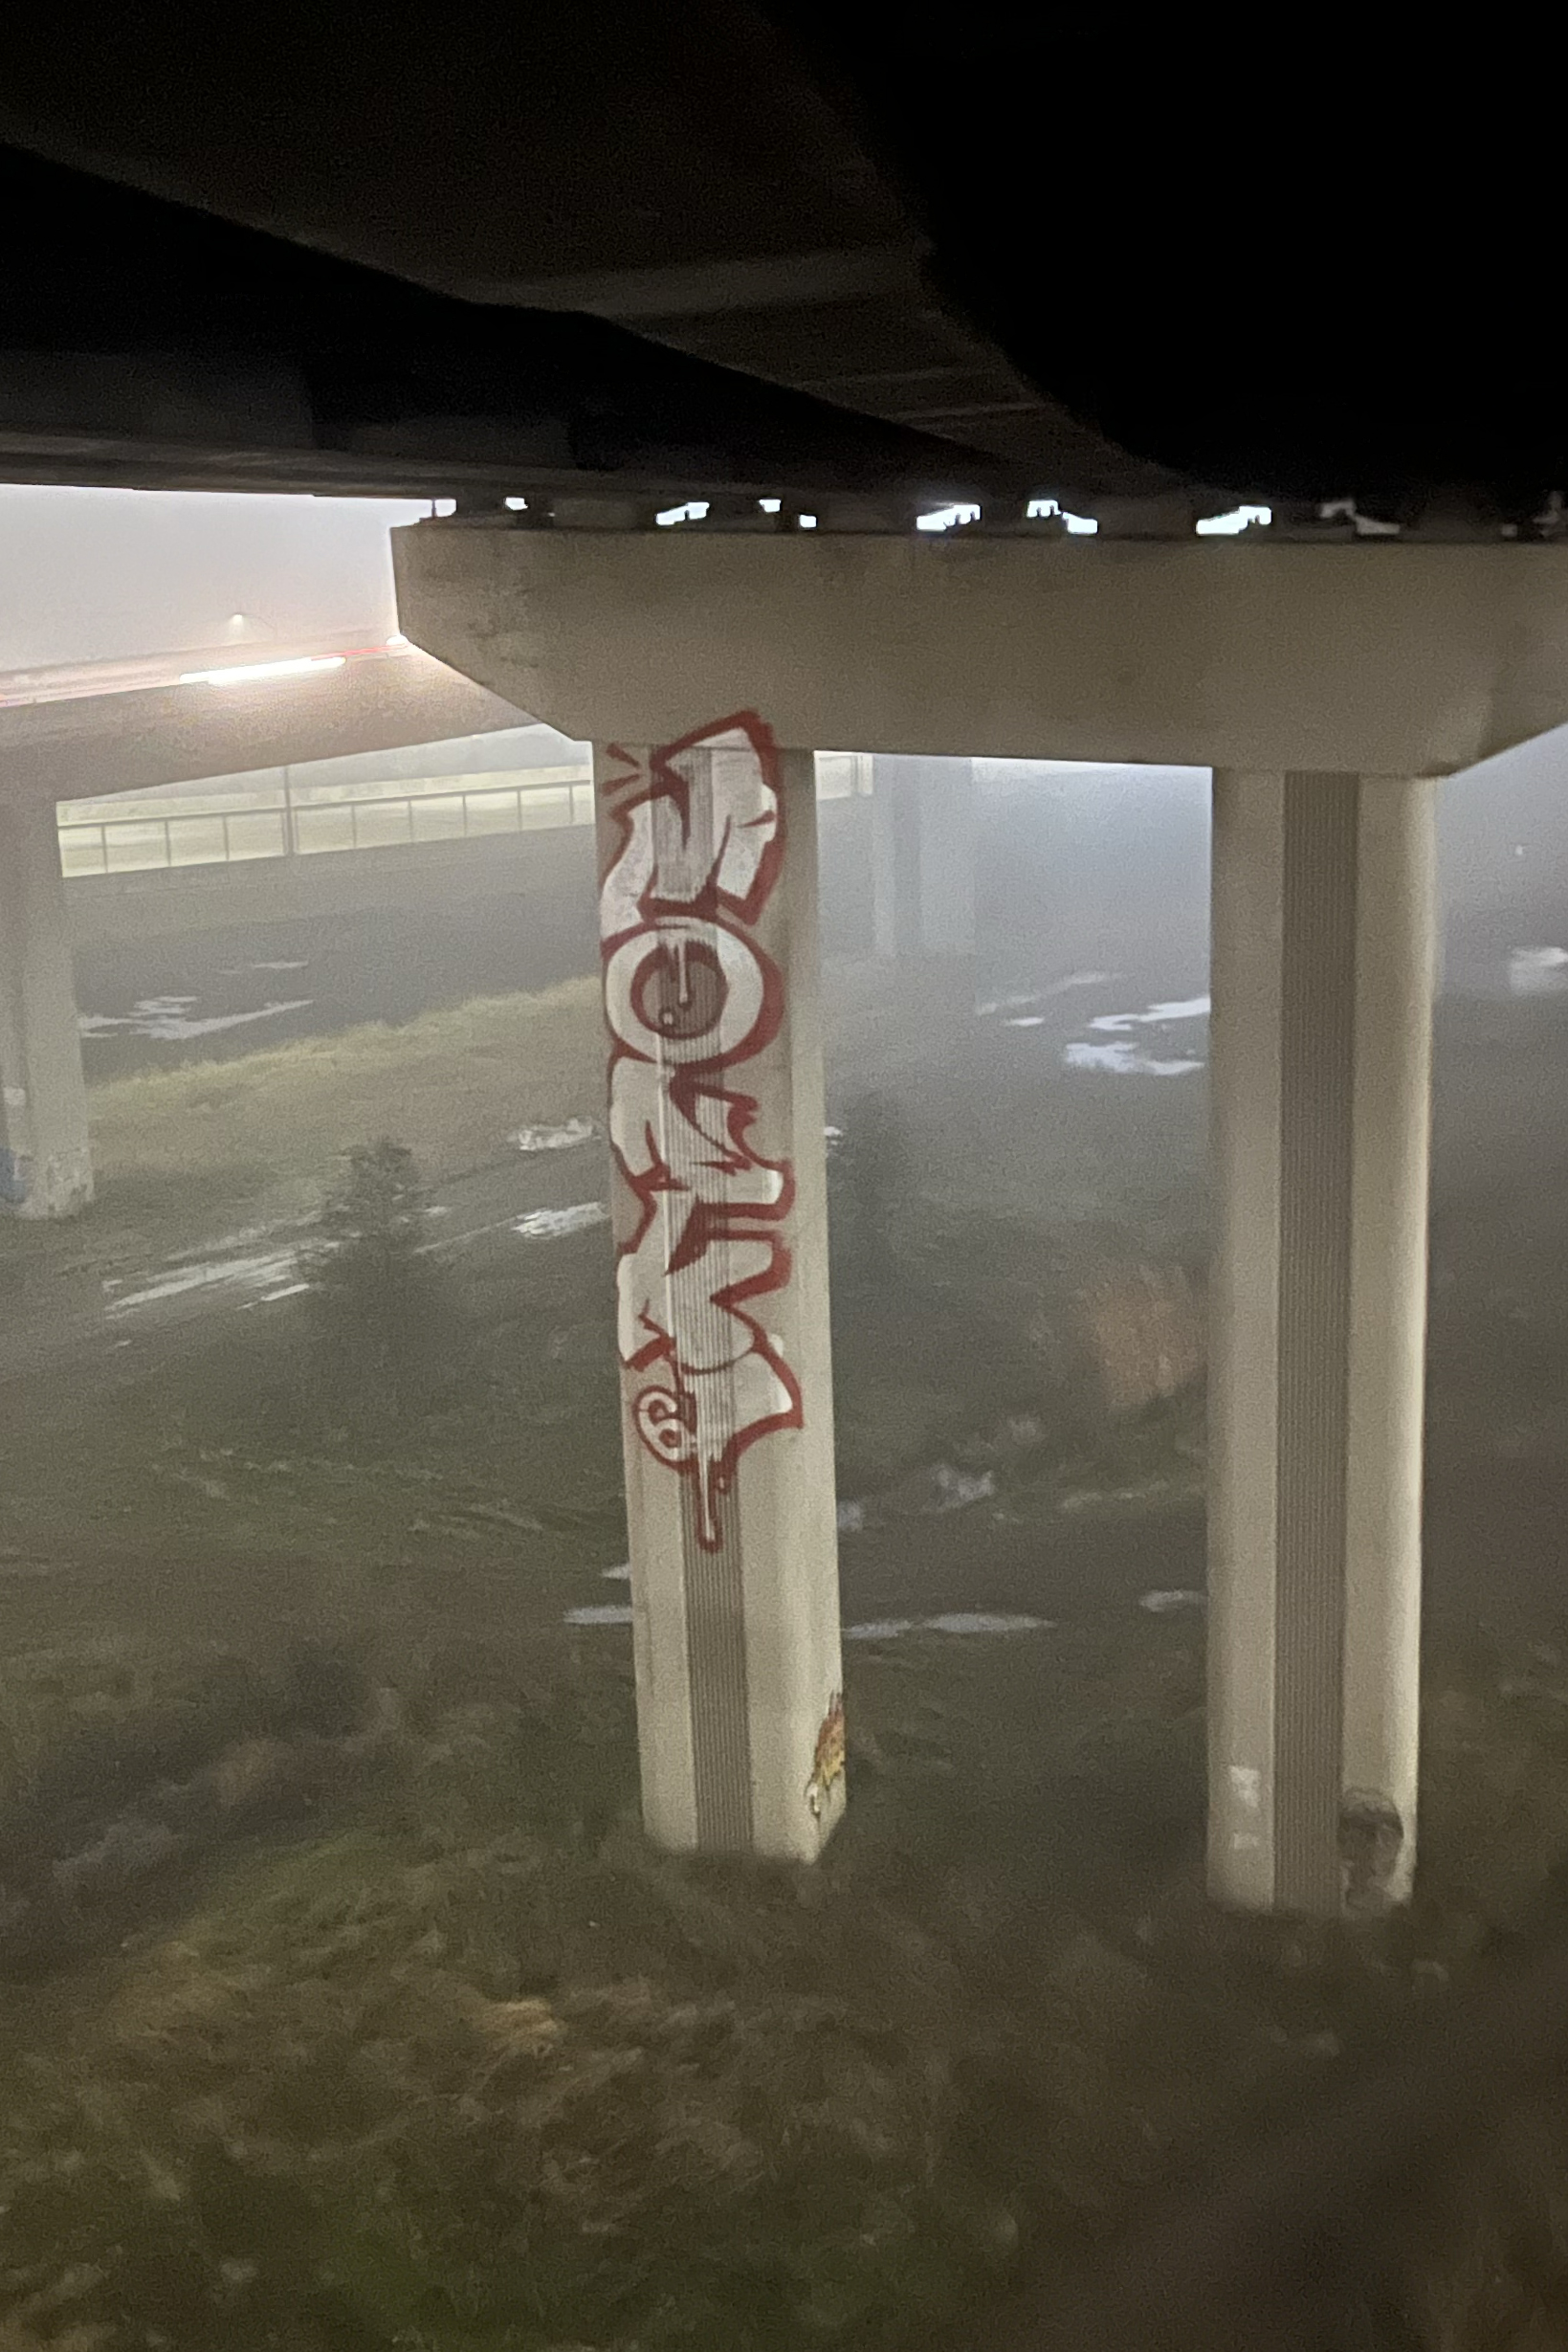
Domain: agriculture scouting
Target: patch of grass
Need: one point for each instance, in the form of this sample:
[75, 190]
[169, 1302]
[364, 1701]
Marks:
[221, 1490]
[452, 1083]
[471, 2066]
[461, 2063]
[182, 1155]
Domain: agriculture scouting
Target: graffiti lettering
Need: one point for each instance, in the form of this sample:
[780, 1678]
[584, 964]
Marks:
[828, 1758]
[691, 996]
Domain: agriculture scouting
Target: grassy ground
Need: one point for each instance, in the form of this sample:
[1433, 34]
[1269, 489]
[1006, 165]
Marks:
[235, 1488]
[438, 2054]
[185, 1155]
[342, 2007]
[457, 1081]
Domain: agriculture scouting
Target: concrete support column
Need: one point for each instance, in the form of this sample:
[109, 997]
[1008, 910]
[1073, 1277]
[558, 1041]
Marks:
[1323, 927]
[46, 1169]
[709, 934]
[923, 860]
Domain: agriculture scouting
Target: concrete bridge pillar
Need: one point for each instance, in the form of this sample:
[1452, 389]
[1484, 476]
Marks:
[1310, 677]
[708, 934]
[923, 865]
[1323, 926]
[46, 1168]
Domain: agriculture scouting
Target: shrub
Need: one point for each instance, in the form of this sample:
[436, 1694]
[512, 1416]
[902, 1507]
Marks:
[869, 1180]
[379, 1298]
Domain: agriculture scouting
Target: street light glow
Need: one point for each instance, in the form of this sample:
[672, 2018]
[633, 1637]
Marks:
[946, 518]
[1044, 510]
[1232, 524]
[241, 673]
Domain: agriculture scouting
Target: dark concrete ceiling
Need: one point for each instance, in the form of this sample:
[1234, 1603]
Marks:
[1074, 254]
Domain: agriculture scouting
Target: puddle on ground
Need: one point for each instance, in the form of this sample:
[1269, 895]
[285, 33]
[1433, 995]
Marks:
[1537, 971]
[960, 1622]
[167, 1019]
[1026, 1002]
[963, 1623]
[552, 1224]
[1124, 1060]
[957, 1489]
[239, 1260]
[1115, 1051]
[1166, 1488]
[1156, 1017]
[274, 1274]
[565, 1138]
[982, 1621]
[229, 1245]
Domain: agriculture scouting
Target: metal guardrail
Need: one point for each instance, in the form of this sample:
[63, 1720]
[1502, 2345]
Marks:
[296, 824]
[298, 827]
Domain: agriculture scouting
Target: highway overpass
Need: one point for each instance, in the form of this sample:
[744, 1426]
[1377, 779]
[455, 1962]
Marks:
[72, 733]
[139, 724]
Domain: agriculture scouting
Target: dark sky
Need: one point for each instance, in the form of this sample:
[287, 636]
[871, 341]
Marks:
[99, 575]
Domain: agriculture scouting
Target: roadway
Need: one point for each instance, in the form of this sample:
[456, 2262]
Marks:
[108, 728]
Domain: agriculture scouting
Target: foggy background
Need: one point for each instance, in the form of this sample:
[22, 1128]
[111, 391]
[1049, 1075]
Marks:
[316, 1766]
[105, 575]
[1078, 868]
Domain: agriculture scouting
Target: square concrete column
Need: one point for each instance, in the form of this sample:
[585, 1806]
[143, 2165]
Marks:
[46, 1169]
[923, 858]
[1323, 923]
[711, 996]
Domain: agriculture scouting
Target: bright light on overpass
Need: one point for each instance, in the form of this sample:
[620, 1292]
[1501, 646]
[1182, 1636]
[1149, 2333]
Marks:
[242, 673]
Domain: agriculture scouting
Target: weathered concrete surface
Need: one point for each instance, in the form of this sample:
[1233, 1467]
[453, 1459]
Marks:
[1321, 1090]
[708, 919]
[1403, 659]
[46, 1169]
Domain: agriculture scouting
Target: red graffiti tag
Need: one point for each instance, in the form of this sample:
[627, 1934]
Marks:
[689, 997]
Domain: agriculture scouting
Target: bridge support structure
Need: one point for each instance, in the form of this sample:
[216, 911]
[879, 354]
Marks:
[923, 869]
[1327, 687]
[1322, 958]
[46, 1166]
[708, 926]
